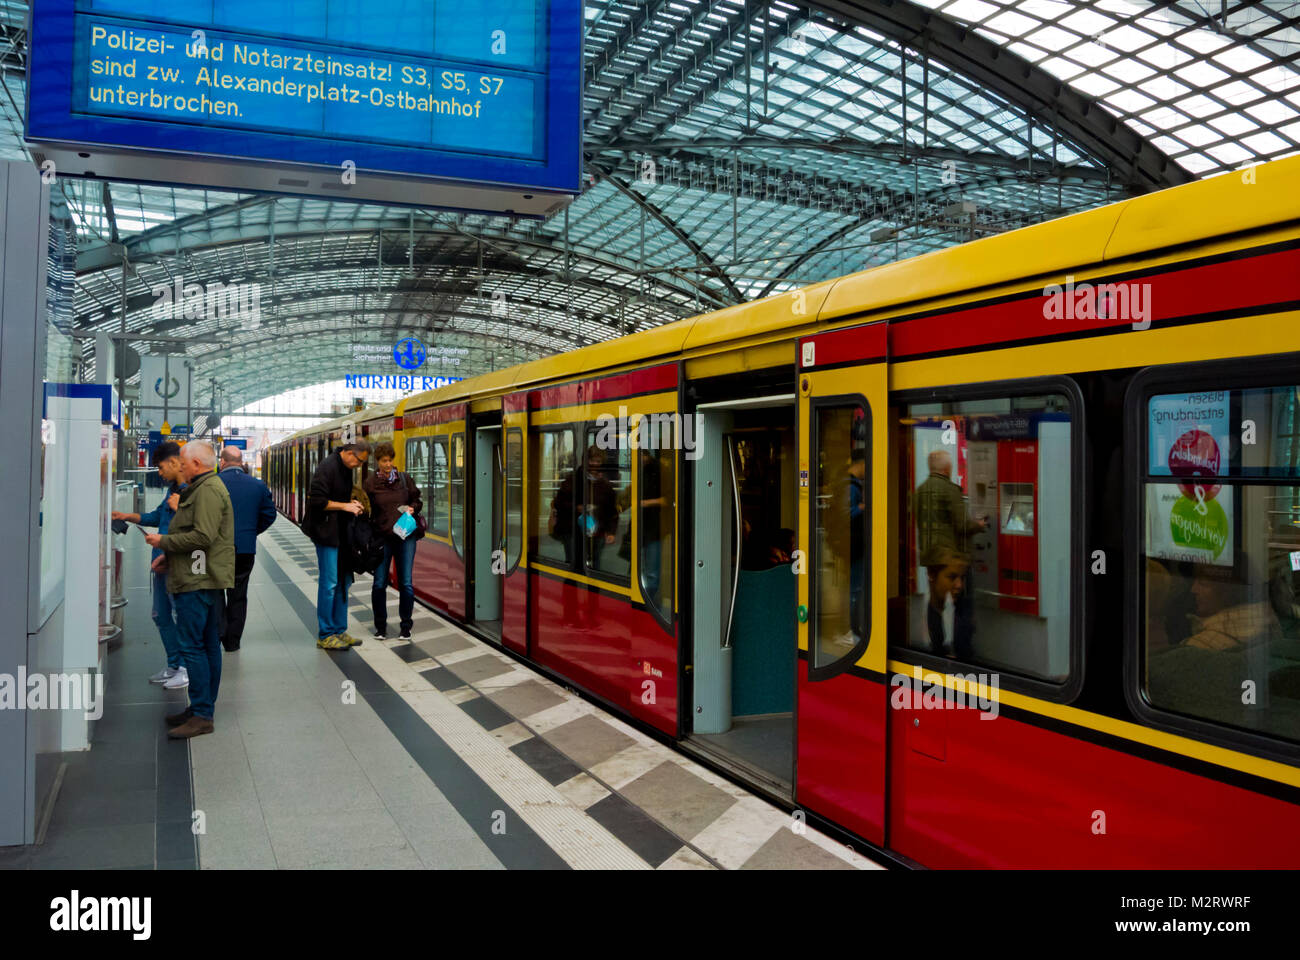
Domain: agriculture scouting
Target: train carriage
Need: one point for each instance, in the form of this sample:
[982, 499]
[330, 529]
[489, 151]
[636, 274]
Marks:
[988, 558]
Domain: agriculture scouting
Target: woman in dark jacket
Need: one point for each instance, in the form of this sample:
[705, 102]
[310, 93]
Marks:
[392, 494]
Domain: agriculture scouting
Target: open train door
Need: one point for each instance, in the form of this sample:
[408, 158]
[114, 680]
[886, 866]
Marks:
[842, 686]
[513, 562]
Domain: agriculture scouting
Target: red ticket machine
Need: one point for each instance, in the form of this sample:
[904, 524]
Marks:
[1017, 533]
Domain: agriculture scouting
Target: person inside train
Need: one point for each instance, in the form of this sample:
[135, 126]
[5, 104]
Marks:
[1221, 651]
[782, 548]
[653, 468]
[946, 570]
[391, 494]
[857, 546]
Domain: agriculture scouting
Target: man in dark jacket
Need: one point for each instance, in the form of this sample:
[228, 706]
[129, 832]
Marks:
[330, 510]
[200, 550]
[254, 513]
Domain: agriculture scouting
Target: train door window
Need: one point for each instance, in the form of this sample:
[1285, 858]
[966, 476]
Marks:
[657, 500]
[514, 496]
[458, 493]
[553, 497]
[840, 534]
[1219, 561]
[986, 542]
[439, 488]
[604, 520]
[417, 468]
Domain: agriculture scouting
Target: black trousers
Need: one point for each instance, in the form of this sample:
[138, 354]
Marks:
[232, 629]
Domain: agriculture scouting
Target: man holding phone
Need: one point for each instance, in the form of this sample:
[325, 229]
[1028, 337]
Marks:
[167, 458]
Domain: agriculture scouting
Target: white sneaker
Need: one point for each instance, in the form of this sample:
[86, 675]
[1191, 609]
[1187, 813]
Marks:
[163, 675]
[179, 681]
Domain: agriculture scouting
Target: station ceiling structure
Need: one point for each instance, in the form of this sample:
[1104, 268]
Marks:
[733, 149]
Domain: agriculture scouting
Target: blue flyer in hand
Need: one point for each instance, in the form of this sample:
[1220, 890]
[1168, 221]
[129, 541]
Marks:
[404, 526]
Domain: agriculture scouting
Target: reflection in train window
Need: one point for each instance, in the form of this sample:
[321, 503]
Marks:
[514, 496]
[1221, 557]
[986, 544]
[458, 493]
[604, 523]
[553, 496]
[439, 496]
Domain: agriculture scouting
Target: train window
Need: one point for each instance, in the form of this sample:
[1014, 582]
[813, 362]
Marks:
[514, 496]
[1220, 556]
[439, 481]
[604, 524]
[986, 540]
[553, 496]
[458, 493]
[655, 533]
[417, 467]
[843, 503]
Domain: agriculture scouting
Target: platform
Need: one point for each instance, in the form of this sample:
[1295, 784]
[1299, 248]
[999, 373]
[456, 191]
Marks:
[440, 753]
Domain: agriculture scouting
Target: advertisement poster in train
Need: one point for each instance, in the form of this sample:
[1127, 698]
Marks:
[1189, 439]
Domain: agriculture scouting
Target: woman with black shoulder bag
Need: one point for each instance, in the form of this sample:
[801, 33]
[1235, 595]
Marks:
[393, 496]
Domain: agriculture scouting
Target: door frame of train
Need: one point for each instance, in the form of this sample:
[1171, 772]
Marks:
[474, 422]
[842, 711]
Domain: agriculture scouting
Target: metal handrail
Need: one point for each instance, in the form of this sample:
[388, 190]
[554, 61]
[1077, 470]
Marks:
[740, 537]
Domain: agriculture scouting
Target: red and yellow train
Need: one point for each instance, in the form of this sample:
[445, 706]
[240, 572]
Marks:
[990, 557]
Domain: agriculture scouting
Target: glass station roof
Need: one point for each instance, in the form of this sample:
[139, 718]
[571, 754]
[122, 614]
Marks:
[733, 149]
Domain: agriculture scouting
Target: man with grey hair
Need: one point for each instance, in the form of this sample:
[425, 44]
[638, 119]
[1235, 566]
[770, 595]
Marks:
[943, 532]
[200, 551]
[254, 513]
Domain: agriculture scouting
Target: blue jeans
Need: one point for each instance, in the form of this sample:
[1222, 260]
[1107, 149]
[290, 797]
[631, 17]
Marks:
[331, 593]
[198, 621]
[404, 552]
[164, 617]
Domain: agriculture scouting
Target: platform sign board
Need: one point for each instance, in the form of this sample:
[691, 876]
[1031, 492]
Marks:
[464, 104]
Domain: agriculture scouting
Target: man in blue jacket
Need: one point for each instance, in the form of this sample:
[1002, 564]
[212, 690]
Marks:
[167, 458]
[254, 513]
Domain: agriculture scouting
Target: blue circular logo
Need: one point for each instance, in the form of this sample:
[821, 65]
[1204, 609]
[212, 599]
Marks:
[408, 353]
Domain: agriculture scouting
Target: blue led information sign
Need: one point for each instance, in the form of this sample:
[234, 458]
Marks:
[471, 104]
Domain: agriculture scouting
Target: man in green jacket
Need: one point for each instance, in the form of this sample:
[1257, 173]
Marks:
[200, 550]
[943, 535]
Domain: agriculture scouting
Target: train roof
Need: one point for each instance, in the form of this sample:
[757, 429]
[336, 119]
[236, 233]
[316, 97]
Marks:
[1252, 199]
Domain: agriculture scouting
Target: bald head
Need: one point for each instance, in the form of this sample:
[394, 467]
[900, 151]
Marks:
[231, 457]
[940, 462]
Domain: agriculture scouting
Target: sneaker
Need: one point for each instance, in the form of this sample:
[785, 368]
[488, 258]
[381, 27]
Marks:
[176, 719]
[163, 675]
[405, 635]
[381, 634]
[350, 640]
[333, 642]
[193, 727]
[179, 681]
